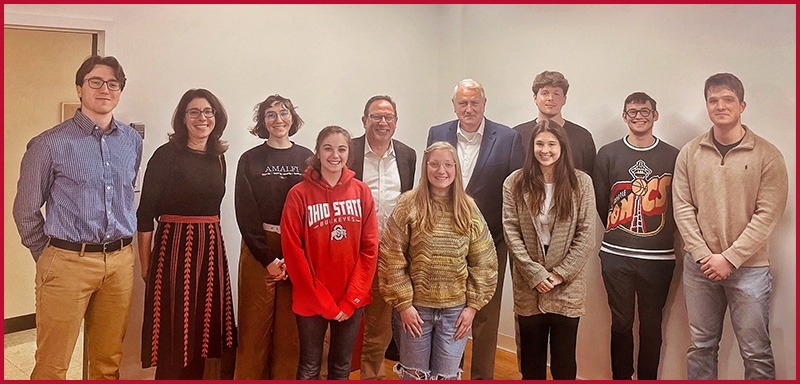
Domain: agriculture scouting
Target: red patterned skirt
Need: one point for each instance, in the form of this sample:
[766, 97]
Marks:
[188, 311]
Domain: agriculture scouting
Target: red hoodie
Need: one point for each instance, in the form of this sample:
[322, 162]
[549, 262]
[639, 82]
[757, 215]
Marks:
[329, 237]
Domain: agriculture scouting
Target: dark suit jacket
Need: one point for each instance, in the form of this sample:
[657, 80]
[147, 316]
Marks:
[406, 161]
[501, 153]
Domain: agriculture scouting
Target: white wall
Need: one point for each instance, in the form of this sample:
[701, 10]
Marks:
[609, 51]
[329, 59]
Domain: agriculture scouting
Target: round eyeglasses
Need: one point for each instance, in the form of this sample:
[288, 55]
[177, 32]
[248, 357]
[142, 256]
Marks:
[437, 165]
[195, 113]
[633, 112]
[284, 114]
[97, 83]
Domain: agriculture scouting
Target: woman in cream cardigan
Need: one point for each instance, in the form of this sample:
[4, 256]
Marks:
[549, 225]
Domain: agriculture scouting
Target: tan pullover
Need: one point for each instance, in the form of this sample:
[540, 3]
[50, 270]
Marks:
[729, 205]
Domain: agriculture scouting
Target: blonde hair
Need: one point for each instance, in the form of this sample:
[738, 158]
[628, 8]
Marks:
[462, 204]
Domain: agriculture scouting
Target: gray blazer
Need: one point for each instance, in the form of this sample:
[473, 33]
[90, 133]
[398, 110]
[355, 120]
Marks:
[571, 242]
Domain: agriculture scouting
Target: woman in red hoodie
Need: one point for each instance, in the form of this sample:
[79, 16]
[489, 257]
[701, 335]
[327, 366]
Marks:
[329, 236]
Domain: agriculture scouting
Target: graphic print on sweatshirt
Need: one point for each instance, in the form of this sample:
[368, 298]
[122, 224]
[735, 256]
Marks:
[638, 205]
[335, 213]
[282, 171]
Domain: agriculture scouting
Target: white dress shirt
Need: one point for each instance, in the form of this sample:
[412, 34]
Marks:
[469, 146]
[382, 177]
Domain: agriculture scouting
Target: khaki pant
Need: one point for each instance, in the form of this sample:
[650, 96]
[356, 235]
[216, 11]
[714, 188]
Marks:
[71, 287]
[269, 346]
[377, 335]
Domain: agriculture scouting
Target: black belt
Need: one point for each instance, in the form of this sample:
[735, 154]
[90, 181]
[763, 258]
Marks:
[111, 246]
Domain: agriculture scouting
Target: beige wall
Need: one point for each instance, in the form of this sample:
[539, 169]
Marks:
[39, 74]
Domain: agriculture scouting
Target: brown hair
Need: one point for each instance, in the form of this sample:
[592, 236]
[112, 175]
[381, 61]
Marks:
[93, 61]
[314, 161]
[532, 180]
[180, 137]
[259, 117]
[725, 80]
[550, 78]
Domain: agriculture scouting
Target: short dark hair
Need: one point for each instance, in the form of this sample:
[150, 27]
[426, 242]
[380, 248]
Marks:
[639, 98]
[93, 61]
[260, 129]
[550, 78]
[377, 98]
[180, 137]
[314, 161]
[727, 80]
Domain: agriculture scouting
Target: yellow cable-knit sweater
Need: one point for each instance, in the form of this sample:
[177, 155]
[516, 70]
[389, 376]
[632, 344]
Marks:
[441, 269]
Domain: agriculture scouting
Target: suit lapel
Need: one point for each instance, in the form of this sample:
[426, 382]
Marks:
[358, 156]
[452, 134]
[487, 143]
[402, 167]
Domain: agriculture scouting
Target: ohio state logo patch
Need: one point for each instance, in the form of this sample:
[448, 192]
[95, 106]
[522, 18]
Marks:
[338, 233]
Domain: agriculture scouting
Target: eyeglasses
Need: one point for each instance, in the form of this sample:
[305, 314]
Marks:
[195, 113]
[388, 118]
[633, 112]
[284, 114]
[97, 83]
[437, 165]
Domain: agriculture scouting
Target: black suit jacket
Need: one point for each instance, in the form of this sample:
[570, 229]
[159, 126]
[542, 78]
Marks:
[501, 153]
[406, 161]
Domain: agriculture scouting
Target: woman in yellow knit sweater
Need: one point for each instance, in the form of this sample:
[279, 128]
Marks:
[437, 267]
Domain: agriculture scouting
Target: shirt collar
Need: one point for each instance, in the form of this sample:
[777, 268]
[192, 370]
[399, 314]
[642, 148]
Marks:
[368, 149]
[479, 132]
[87, 125]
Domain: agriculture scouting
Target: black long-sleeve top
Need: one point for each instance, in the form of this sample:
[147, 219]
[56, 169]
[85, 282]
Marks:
[263, 179]
[179, 181]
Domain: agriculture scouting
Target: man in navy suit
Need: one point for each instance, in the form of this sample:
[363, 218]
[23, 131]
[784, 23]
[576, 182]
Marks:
[488, 153]
[387, 166]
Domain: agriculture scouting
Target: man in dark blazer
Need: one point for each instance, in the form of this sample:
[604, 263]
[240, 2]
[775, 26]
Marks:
[387, 166]
[488, 153]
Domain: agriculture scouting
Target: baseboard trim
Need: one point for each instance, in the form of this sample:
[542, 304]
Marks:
[507, 343]
[19, 323]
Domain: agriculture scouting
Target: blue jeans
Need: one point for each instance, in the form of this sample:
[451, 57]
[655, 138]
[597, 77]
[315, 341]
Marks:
[746, 291]
[436, 354]
[311, 330]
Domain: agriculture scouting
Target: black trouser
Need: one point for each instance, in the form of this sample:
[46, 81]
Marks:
[533, 334]
[627, 278]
